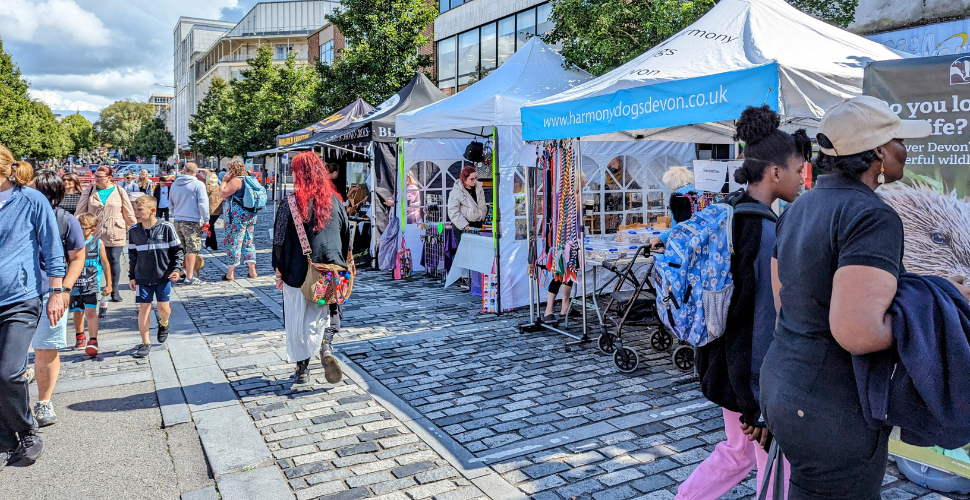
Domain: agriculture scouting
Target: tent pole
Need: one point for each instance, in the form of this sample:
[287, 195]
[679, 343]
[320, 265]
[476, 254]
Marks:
[496, 221]
[530, 258]
[401, 187]
[373, 208]
[577, 187]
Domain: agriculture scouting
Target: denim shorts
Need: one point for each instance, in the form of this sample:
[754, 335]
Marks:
[47, 336]
[159, 292]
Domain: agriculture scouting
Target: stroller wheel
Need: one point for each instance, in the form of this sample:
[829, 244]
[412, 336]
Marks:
[606, 343]
[626, 360]
[684, 357]
[661, 340]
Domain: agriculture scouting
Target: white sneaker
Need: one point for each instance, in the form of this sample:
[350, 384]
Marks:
[44, 414]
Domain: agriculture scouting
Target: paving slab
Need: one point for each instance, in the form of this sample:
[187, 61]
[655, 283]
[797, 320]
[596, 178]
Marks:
[264, 483]
[206, 387]
[230, 440]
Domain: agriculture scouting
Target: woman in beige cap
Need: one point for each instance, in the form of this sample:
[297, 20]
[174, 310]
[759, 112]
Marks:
[838, 256]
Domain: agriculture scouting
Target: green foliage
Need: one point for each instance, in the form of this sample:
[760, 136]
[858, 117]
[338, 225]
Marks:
[383, 38]
[599, 35]
[153, 139]
[121, 121]
[249, 121]
[207, 128]
[18, 122]
[81, 132]
[53, 140]
[838, 12]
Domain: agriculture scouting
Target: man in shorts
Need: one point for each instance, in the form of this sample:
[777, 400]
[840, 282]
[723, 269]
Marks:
[189, 202]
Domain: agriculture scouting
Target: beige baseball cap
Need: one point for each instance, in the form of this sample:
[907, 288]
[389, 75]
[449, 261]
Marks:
[863, 123]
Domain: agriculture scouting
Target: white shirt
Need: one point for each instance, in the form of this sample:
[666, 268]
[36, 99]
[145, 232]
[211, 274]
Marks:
[5, 196]
[163, 195]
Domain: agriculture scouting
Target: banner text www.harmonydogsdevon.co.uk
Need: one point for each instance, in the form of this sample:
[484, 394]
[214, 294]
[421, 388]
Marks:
[634, 110]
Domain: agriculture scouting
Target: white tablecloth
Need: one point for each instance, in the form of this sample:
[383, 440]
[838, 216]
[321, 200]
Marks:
[475, 253]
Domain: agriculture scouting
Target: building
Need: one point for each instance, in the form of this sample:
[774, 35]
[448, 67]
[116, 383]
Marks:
[474, 37]
[193, 38]
[920, 27]
[324, 43]
[161, 102]
[211, 49]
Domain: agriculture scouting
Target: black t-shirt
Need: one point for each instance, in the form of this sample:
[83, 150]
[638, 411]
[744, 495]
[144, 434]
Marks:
[473, 192]
[839, 223]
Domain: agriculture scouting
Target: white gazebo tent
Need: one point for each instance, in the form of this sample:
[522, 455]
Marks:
[489, 109]
[691, 87]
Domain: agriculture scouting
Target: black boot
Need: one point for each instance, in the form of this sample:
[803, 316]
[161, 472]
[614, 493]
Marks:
[115, 296]
[302, 372]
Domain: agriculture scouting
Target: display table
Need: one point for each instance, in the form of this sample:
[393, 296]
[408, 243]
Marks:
[475, 253]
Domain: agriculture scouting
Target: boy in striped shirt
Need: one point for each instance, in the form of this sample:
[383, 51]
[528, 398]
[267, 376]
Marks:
[154, 262]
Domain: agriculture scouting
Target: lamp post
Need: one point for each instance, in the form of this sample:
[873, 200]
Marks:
[174, 127]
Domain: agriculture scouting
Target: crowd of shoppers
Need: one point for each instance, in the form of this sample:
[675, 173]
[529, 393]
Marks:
[115, 214]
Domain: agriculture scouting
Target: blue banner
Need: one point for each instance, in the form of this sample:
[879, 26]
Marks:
[704, 99]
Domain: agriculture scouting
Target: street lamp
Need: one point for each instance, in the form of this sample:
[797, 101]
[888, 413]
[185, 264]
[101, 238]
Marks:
[174, 127]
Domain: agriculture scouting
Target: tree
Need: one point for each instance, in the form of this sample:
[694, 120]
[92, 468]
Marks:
[121, 121]
[600, 35]
[383, 38]
[838, 12]
[52, 139]
[208, 126]
[153, 139]
[249, 123]
[81, 132]
[18, 122]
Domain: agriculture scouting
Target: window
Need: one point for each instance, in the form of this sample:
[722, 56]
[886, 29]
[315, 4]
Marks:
[326, 53]
[468, 54]
[543, 24]
[282, 50]
[526, 26]
[506, 39]
[447, 70]
[488, 49]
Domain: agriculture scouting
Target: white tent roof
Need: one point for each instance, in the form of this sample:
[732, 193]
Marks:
[533, 72]
[817, 65]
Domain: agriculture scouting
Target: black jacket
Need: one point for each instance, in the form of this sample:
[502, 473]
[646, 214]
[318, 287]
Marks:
[153, 254]
[724, 364]
[329, 245]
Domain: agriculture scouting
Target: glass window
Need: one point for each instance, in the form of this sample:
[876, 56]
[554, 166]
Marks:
[525, 26]
[443, 5]
[282, 50]
[468, 53]
[488, 49]
[506, 39]
[447, 65]
[326, 53]
[543, 24]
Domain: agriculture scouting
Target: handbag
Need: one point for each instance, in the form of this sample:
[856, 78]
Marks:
[776, 461]
[324, 283]
[402, 266]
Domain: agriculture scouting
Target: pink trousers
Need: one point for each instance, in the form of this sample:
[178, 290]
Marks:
[728, 465]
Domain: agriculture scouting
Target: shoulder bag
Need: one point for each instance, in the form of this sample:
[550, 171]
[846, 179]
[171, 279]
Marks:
[324, 283]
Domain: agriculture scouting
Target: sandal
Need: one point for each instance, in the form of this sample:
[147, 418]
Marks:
[225, 277]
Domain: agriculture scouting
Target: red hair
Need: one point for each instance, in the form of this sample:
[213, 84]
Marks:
[106, 169]
[311, 182]
[465, 172]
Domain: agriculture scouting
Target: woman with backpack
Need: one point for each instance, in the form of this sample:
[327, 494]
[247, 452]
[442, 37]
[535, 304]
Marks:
[324, 228]
[728, 366]
[240, 222]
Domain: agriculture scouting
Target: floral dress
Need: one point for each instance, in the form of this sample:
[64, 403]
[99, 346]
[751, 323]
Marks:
[240, 229]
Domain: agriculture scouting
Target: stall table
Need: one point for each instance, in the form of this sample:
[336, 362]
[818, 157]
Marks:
[475, 253]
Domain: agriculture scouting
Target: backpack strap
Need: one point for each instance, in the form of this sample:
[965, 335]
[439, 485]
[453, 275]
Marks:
[758, 209]
[298, 222]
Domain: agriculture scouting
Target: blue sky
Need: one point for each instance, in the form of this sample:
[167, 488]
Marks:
[85, 54]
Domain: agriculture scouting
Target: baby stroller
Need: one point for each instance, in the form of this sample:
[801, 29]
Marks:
[637, 306]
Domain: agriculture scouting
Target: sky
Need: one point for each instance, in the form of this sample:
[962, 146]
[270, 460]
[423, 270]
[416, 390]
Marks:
[85, 54]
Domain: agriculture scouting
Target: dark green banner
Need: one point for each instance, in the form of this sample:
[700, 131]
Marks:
[935, 89]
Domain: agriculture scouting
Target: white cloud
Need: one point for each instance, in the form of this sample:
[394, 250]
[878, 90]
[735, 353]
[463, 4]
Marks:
[62, 21]
[120, 84]
[74, 101]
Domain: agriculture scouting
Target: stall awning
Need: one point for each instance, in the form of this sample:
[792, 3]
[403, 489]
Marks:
[263, 152]
[741, 53]
[336, 121]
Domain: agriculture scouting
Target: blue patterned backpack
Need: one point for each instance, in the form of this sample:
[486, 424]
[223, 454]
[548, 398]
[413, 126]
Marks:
[693, 275]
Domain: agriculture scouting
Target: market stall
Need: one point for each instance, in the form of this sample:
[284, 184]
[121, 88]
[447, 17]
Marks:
[487, 111]
[371, 140]
[336, 121]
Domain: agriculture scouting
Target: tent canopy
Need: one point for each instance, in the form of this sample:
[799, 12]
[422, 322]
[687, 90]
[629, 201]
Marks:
[378, 125]
[533, 72]
[335, 121]
[741, 53]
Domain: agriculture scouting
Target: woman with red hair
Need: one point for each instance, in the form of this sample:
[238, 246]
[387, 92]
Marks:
[321, 211]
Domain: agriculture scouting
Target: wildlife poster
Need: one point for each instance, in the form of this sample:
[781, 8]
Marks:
[936, 236]
[935, 89]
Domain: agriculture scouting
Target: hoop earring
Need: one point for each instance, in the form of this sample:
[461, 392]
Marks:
[882, 172]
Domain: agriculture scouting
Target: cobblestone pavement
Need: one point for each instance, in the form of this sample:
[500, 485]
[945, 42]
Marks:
[444, 394]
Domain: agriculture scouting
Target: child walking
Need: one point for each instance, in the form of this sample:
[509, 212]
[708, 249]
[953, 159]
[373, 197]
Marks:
[84, 295]
[154, 262]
